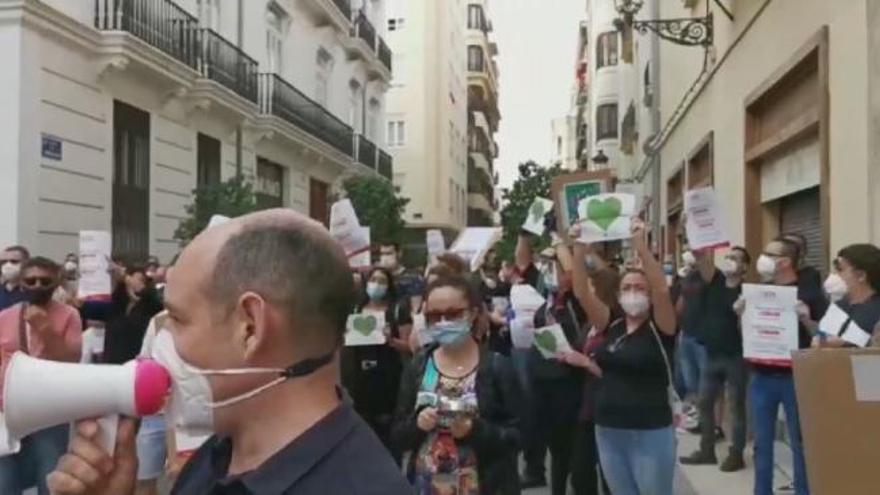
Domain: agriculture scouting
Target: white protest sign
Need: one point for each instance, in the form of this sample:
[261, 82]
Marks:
[94, 263]
[769, 324]
[522, 332]
[436, 243]
[363, 259]
[704, 226]
[606, 217]
[535, 217]
[474, 242]
[345, 228]
[837, 323]
[367, 328]
[637, 191]
[551, 341]
[525, 300]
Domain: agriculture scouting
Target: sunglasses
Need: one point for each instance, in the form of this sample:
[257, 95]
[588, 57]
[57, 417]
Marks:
[447, 315]
[38, 281]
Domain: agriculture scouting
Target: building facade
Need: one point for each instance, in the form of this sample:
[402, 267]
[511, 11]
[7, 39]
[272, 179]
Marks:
[116, 111]
[483, 114]
[564, 133]
[427, 114]
[781, 124]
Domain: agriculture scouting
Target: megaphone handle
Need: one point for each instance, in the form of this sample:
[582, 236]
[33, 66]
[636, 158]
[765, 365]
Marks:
[107, 433]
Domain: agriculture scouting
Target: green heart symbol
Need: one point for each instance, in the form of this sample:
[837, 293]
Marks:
[603, 212]
[365, 324]
[546, 340]
[537, 210]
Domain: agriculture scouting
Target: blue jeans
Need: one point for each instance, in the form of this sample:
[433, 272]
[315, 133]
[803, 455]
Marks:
[766, 393]
[637, 462]
[692, 359]
[39, 454]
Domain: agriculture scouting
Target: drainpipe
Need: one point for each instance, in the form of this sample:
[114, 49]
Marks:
[238, 134]
[656, 119]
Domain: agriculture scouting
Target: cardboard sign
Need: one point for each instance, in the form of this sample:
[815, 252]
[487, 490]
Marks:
[535, 216]
[550, 341]
[94, 264]
[839, 429]
[435, 242]
[345, 228]
[606, 217]
[363, 259]
[769, 324]
[568, 190]
[367, 328]
[704, 226]
[474, 242]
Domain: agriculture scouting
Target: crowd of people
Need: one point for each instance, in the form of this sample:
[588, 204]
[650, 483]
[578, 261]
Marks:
[449, 401]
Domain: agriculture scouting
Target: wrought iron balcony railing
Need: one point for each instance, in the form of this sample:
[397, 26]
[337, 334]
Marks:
[386, 165]
[384, 54]
[344, 6]
[366, 152]
[225, 63]
[364, 30]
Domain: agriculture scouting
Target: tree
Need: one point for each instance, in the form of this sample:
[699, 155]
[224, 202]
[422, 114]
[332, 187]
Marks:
[378, 207]
[533, 181]
[232, 198]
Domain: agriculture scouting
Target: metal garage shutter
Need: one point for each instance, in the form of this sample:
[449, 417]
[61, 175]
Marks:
[800, 213]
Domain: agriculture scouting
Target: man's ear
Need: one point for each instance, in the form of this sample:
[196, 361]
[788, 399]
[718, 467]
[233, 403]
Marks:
[255, 324]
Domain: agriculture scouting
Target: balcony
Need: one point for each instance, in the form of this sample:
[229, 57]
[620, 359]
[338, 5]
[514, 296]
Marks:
[344, 6]
[283, 100]
[159, 23]
[478, 143]
[386, 165]
[226, 64]
[364, 30]
[385, 54]
[368, 45]
[366, 152]
[335, 13]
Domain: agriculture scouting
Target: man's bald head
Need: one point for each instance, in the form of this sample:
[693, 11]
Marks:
[289, 260]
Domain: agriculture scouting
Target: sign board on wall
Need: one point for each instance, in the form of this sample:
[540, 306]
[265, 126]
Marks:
[52, 147]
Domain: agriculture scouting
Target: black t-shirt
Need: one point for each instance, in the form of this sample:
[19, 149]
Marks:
[125, 329]
[632, 392]
[691, 292]
[720, 324]
[371, 374]
[499, 340]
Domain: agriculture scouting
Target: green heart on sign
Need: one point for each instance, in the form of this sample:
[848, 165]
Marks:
[365, 324]
[603, 212]
[546, 340]
[537, 210]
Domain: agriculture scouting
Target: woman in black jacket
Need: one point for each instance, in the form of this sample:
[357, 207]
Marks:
[133, 304]
[455, 413]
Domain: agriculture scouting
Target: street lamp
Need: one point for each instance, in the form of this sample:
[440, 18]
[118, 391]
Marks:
[600, 159]
[688, 31]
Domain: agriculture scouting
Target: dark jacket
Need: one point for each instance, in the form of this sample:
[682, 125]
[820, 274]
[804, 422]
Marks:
[495, 436]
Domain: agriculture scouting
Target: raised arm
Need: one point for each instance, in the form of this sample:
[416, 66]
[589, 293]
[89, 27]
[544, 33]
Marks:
[524, 254]
[664, 311]
[597, 312]
[705, 264]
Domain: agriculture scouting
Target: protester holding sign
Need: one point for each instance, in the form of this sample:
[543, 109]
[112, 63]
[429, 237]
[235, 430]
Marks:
[858, 269]
[634, 401]
[773, 385]
[455, 412]
[371, 373]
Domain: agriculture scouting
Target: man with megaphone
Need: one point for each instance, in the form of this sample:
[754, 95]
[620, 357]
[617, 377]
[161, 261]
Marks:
[46, 329]
[257, 309]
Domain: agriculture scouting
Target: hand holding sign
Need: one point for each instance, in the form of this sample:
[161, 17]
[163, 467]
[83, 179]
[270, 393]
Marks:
[606, 217]
[550, 341]
[365, 329]
[702, 218]
[535, 217]
[345, 228]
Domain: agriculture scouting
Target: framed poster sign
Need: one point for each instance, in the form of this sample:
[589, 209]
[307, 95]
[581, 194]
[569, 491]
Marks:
[568, 191]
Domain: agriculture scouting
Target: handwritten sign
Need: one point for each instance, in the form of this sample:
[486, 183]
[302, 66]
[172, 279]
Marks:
[436, 243]
[363, 259]
[345, 228]
[769, 324]
[367, 328]
[94, 264]
[474, 242]
[705, 227]
[606, 217]
[535, 216]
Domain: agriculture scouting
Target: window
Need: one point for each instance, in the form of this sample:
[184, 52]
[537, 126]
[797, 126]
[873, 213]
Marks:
[322, 78]
[276, 21]
[395, 24]
[606, 49]
[396, 133]
[475, 58]
[209, 13]
[558, 146]
[606, 121]
[269, 188]
[208, 161]
[356, 115]
[475, 17]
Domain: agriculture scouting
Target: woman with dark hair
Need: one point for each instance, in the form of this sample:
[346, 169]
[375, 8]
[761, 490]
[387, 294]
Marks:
[371, 374]
[455, 412]
[855, 289]
[133, 304]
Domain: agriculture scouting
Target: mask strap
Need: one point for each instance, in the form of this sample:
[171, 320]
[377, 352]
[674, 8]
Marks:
[307, 366]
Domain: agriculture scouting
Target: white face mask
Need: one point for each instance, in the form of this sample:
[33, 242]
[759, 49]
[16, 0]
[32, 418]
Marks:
[191, 406]
[728, 267]
[634, 304]
[688, 258]
[835, 287]
[10, 271]
[766, 267]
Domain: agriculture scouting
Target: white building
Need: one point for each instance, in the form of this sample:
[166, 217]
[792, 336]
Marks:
[115, 111]
[427, 113]
[564, 134]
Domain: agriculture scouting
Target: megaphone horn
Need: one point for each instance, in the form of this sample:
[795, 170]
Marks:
[39, 394]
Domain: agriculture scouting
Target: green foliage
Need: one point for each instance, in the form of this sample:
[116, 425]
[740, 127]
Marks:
[378, 207]
[533, 181]
[232, 198]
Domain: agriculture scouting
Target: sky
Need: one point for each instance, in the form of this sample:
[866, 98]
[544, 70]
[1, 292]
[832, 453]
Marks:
[536, 43]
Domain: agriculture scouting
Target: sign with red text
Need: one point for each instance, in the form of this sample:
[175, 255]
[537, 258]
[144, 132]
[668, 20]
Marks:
[704, 226]
[770, 324]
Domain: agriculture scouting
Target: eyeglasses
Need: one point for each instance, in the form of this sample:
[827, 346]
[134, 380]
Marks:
[38, 281]
[11, 262]
[447, 315]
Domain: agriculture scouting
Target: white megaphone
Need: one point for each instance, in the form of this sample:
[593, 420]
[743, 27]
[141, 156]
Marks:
[39, 394]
